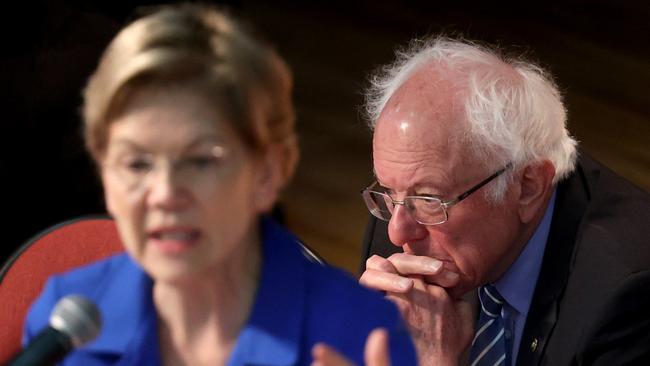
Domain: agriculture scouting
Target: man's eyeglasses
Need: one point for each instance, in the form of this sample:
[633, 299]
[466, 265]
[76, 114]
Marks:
[426, 210]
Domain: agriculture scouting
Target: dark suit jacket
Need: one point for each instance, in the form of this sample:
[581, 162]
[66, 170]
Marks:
[592, 300]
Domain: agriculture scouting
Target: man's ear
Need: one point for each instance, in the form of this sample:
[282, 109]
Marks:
[269, 180]
[536, 186]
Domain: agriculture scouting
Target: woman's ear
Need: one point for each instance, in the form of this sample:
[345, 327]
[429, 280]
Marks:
[269, 180]
[107, 188]
[536, 186]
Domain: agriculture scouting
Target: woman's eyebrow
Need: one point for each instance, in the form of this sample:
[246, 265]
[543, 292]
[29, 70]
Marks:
[194, 142]
[204, 139]
[128, 143]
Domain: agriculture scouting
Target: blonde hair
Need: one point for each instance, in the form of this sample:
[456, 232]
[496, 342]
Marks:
[206, 49]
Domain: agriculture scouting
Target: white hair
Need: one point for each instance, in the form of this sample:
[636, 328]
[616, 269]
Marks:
[513, 109]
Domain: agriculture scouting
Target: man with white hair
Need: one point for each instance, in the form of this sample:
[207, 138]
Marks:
[479, 183]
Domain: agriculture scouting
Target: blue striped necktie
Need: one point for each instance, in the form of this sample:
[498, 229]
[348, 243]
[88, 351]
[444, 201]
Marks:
[489, 345]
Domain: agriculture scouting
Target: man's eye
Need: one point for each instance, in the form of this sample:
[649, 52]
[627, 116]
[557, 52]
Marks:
[383, 189]
[426, 194]
[429, 202]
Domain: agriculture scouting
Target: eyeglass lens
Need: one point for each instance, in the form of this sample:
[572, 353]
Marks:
[427, 210]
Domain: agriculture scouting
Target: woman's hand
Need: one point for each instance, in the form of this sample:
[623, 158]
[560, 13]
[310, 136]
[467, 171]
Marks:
[375, 353]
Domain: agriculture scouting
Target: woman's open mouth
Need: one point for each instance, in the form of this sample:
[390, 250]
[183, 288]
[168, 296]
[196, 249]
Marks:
[174, 240]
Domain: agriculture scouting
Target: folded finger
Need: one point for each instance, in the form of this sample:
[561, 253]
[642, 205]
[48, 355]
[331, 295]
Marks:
[444, 278]
[380, 264]
[383, 281]
[409, 264]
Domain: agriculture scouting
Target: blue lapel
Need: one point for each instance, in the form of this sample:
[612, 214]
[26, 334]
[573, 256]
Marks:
[271, 337]
[273, 332]
[126, 307]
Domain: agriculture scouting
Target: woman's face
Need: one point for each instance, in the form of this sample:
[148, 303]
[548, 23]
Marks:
[182, 187]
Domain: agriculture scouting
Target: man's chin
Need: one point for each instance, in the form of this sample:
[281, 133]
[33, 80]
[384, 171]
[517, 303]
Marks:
[460, 292]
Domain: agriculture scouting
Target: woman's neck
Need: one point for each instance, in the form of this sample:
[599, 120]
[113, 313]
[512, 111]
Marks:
[200, 317]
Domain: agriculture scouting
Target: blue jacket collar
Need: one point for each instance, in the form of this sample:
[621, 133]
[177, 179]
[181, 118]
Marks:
[273, 332]
[126, 306]
[271, 336]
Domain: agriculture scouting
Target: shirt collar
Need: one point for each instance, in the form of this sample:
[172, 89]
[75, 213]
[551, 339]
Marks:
[517, 285]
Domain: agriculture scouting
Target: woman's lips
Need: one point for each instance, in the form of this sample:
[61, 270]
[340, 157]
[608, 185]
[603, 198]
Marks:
[174, 241]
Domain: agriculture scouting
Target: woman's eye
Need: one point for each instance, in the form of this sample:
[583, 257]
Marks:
[202, 162]
[139, 165]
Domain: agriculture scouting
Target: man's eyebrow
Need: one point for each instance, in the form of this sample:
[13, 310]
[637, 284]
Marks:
[382, 187]
[437, 192]
[426, 185]
[380, 184]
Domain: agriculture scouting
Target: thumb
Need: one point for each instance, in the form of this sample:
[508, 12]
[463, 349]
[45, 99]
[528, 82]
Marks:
[376, 352]
[325, 355]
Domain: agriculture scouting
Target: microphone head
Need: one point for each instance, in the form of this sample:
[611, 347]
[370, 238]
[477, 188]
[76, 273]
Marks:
[76, 317]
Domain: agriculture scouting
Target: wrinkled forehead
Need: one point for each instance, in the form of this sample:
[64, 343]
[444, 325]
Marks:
[425, 112]
[421, 134]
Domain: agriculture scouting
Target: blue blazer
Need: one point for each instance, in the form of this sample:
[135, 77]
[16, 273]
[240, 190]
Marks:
[298, 303]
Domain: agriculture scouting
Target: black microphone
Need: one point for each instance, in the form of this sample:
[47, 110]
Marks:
[73, 322]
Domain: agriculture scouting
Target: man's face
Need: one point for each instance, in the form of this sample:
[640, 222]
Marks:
[417, 151]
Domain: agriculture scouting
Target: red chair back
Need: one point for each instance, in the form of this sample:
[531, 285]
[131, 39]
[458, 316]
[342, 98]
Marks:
[57, 249]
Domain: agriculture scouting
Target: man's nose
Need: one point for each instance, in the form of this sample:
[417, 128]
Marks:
[402, 227]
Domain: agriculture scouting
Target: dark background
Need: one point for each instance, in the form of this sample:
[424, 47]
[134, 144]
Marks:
[598, 51]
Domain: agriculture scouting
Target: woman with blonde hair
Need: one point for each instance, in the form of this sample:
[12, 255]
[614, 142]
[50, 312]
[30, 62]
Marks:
[190, 121]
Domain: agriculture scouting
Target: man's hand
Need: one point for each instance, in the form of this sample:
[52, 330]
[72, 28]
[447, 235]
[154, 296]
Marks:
[393, 274]
[375, 353]
[441, 325]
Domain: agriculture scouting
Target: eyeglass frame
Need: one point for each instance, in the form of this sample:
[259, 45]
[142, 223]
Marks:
[171, 163]
[445, 205]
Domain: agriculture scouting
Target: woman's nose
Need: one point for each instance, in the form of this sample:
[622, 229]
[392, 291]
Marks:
[402, 227]
[164, 190]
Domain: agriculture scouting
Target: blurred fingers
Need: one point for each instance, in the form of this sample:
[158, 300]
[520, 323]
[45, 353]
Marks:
[324, 355]
[376, 352]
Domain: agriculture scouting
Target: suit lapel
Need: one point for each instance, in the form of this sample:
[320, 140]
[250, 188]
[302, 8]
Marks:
[570, 204]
